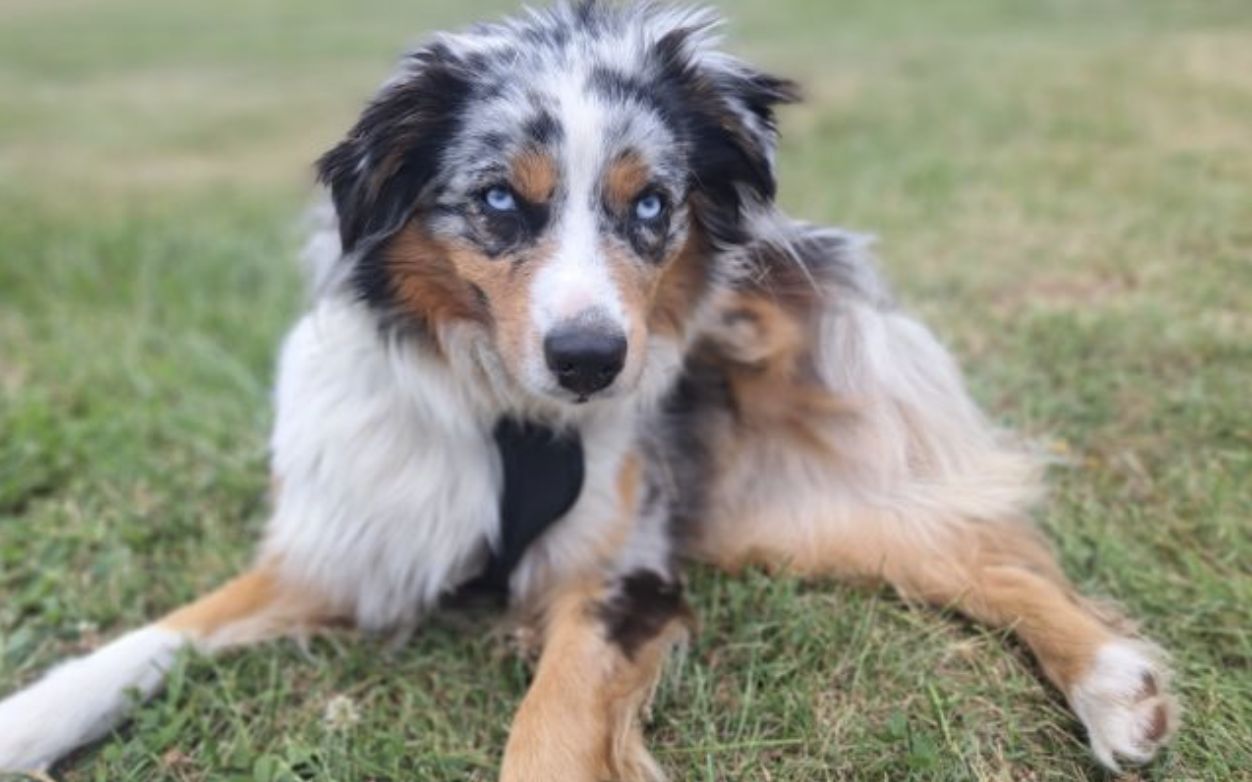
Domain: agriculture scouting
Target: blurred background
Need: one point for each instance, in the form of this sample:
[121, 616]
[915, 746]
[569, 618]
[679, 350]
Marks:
[1063, 188]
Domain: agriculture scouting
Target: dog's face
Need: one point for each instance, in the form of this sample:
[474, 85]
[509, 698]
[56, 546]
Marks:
[567, 183]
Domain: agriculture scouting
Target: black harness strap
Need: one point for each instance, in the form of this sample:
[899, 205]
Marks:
[543, 477]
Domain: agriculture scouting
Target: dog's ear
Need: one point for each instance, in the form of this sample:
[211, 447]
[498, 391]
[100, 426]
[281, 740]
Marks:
[730, 127]
[380, 171]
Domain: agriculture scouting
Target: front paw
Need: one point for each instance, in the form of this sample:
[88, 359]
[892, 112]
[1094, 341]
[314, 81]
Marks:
[1125, 704]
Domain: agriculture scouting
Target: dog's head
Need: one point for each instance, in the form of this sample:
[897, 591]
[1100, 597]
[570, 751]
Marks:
[567, 183]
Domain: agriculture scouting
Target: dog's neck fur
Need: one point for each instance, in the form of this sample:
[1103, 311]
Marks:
[416, 514]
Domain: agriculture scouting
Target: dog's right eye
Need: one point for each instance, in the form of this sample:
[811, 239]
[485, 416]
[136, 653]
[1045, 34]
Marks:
[500, 199]
[649, 207]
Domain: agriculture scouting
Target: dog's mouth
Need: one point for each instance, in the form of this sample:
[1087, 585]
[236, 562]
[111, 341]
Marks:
[582, 399]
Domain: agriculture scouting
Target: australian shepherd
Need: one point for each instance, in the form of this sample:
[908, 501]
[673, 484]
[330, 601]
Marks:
[561, 341]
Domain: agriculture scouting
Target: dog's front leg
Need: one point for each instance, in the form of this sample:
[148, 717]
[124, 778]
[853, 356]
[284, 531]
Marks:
[604, 648]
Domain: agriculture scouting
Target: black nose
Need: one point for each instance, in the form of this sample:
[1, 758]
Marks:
[585, 359]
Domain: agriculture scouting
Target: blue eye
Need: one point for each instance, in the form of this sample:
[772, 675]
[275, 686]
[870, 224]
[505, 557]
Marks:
[500, 199]
[649, 207]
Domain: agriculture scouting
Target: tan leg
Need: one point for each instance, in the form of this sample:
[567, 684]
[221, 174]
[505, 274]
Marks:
[604, 648]
[252, 607]
[1001, 574]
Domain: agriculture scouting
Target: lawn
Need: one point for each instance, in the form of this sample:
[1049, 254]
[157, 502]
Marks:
[1062, 187]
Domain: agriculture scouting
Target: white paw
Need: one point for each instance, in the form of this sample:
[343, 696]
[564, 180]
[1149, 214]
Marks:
[23, 746]
[1124, 702]
[82, 699]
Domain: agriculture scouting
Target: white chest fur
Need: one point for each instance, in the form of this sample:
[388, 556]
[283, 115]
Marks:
[388, 478]
[387, 482]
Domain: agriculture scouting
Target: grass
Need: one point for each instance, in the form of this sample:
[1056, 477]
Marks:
[1062, 187]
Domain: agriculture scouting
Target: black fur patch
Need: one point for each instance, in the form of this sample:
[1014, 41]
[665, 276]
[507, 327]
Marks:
[378, 173]
[698, 404]
[728, 159]
[621, 87]
[543, 478]
[645, 602]
[543, 129]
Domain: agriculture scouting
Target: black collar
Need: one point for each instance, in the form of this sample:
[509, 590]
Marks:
[543, 477]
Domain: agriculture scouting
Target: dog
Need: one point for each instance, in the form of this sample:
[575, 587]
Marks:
[561, 341]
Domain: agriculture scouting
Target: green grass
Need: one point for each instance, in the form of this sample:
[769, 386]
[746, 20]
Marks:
[1062, 187]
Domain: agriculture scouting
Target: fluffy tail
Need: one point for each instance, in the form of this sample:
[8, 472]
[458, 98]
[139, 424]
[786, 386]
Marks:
[83, 699]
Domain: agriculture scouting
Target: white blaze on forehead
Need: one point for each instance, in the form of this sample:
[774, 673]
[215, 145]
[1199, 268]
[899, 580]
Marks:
[577, 278]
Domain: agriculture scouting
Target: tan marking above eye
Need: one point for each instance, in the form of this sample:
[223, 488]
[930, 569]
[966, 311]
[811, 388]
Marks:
[534, 176]
[625, 179]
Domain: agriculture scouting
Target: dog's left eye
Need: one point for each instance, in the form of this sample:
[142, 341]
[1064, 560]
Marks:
[500, 199]
[649, 207]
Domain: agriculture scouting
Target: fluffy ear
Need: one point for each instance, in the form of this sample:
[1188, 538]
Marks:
[380, 171]
[727, 108]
